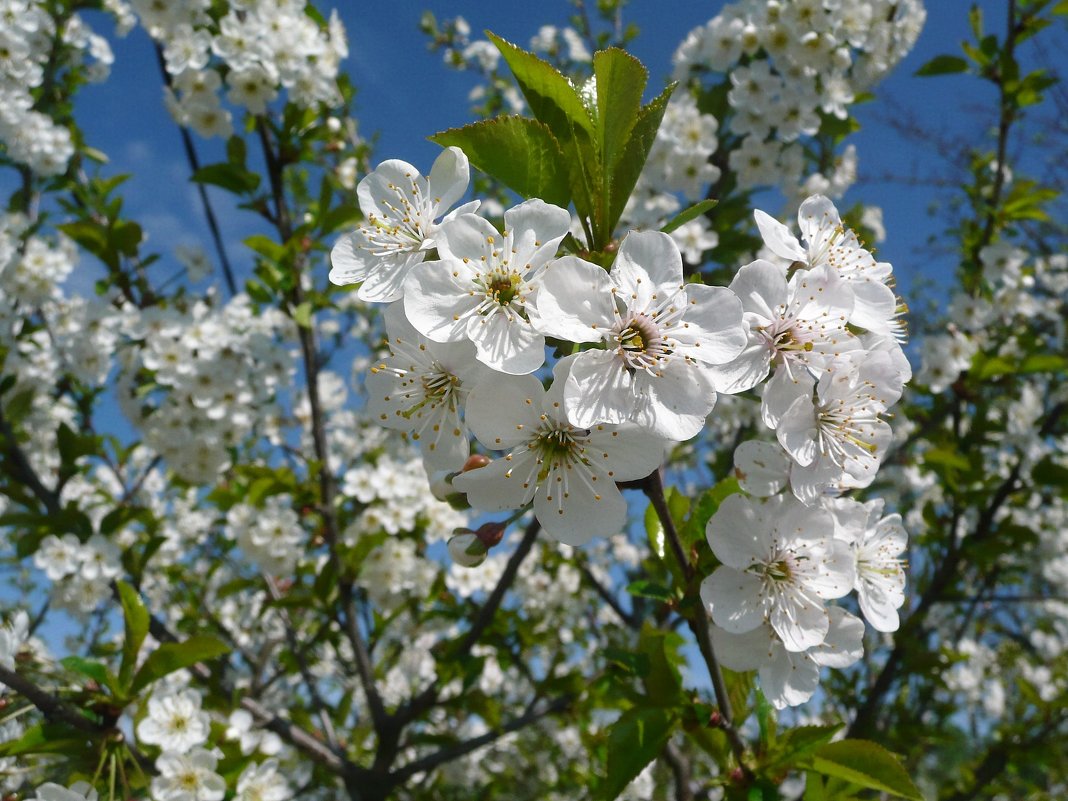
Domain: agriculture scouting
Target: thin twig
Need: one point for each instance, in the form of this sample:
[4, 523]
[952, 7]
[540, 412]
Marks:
[194, 165]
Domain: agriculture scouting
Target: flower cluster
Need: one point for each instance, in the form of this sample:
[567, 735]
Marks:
[29, 36]
[786, 64]
[187, 770]
[192, 382]
[254, 50]
[467, 330]
[81, 572]
[822, 323]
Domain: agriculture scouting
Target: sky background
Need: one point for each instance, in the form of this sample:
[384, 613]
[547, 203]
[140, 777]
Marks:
[405, 93]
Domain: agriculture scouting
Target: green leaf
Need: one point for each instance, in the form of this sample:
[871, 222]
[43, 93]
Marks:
[692, 213]
[943, 65]
[135, 619]
[866, 764]
[641, 140]
[519, 152]
[633, 742]
[552, 98]
[47, 738]
[644, 588]
[228, 176]
[663, 682]
[97, 671]
[302, 315]
[173, 656]
[794, 744]
[621, 79]
[555, 101]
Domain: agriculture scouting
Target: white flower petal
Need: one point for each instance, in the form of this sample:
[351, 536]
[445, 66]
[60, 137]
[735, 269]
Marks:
[536, 228]
[630, 453]
[506, 342]
[598, 390]
[746, 651]
[712, 331]
[761, 286]
[575, 505]
[675, 404]
[380, 192]
[789, 679]
[800, 621]
[437, 298]
[573, 301]
[762, 468]
[648, 263]
[778, 237]
[797, 431]
[385, 282]
[734, 599]
[738, 533]
[844, 643]
[817, 218]
[500, 485]
[503, 412]
[449, 177]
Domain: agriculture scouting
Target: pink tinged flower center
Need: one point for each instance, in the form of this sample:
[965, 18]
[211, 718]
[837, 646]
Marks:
[640, 343]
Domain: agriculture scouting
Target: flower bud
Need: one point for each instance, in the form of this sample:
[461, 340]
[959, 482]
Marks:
[466, 549]
[474, 462]
[491, 533]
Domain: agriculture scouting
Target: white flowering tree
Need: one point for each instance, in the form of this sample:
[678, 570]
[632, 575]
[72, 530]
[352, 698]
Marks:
[553, 469]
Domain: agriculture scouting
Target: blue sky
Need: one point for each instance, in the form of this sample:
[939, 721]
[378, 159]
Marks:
[405, 94]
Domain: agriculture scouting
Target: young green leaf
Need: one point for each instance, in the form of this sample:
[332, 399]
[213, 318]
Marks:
[633, 742]
[519, 152]
[943, 65]
[135, 620]
[867, 764]
[692, 213]
[173, 656]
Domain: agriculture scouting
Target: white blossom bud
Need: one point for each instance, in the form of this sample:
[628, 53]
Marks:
[466, 549]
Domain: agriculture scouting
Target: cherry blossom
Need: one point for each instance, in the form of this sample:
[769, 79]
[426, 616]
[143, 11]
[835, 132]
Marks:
[569, 472]
[789, 678]
[780, 562]
[481, 287]
[420, 389]
[659, 337]
[792, 325]
[828, 242]
[401, 207]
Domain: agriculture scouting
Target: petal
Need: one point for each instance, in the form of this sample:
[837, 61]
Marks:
[598, 390]
[349, 260]
[738, 533]
[874, 307]
[835, 571]
[747, 651]
[629, 453]
[500, 485]
[385, 280]
[468, 236]
[573, 301]
[505, 412]
[575, 504]
[441, 438]
[778, 237]
[797, 431]
[506, 342]
[818, 220]
[781, 391]
[675, 403]
[745, 371]
[762, 468]
[789, 679]
[879, 607]
[711, 330]
[844, 643]
[648, 263]
[890, 535]
[536, 228]
[438, 300]
[761, 286]
[800, 621]
[384, 191]
[448, 179]
[734, 599]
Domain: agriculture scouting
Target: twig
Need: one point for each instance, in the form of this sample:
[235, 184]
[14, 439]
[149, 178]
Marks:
[302, 664]
[452, 752]
[194, 165]
[654, 490]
